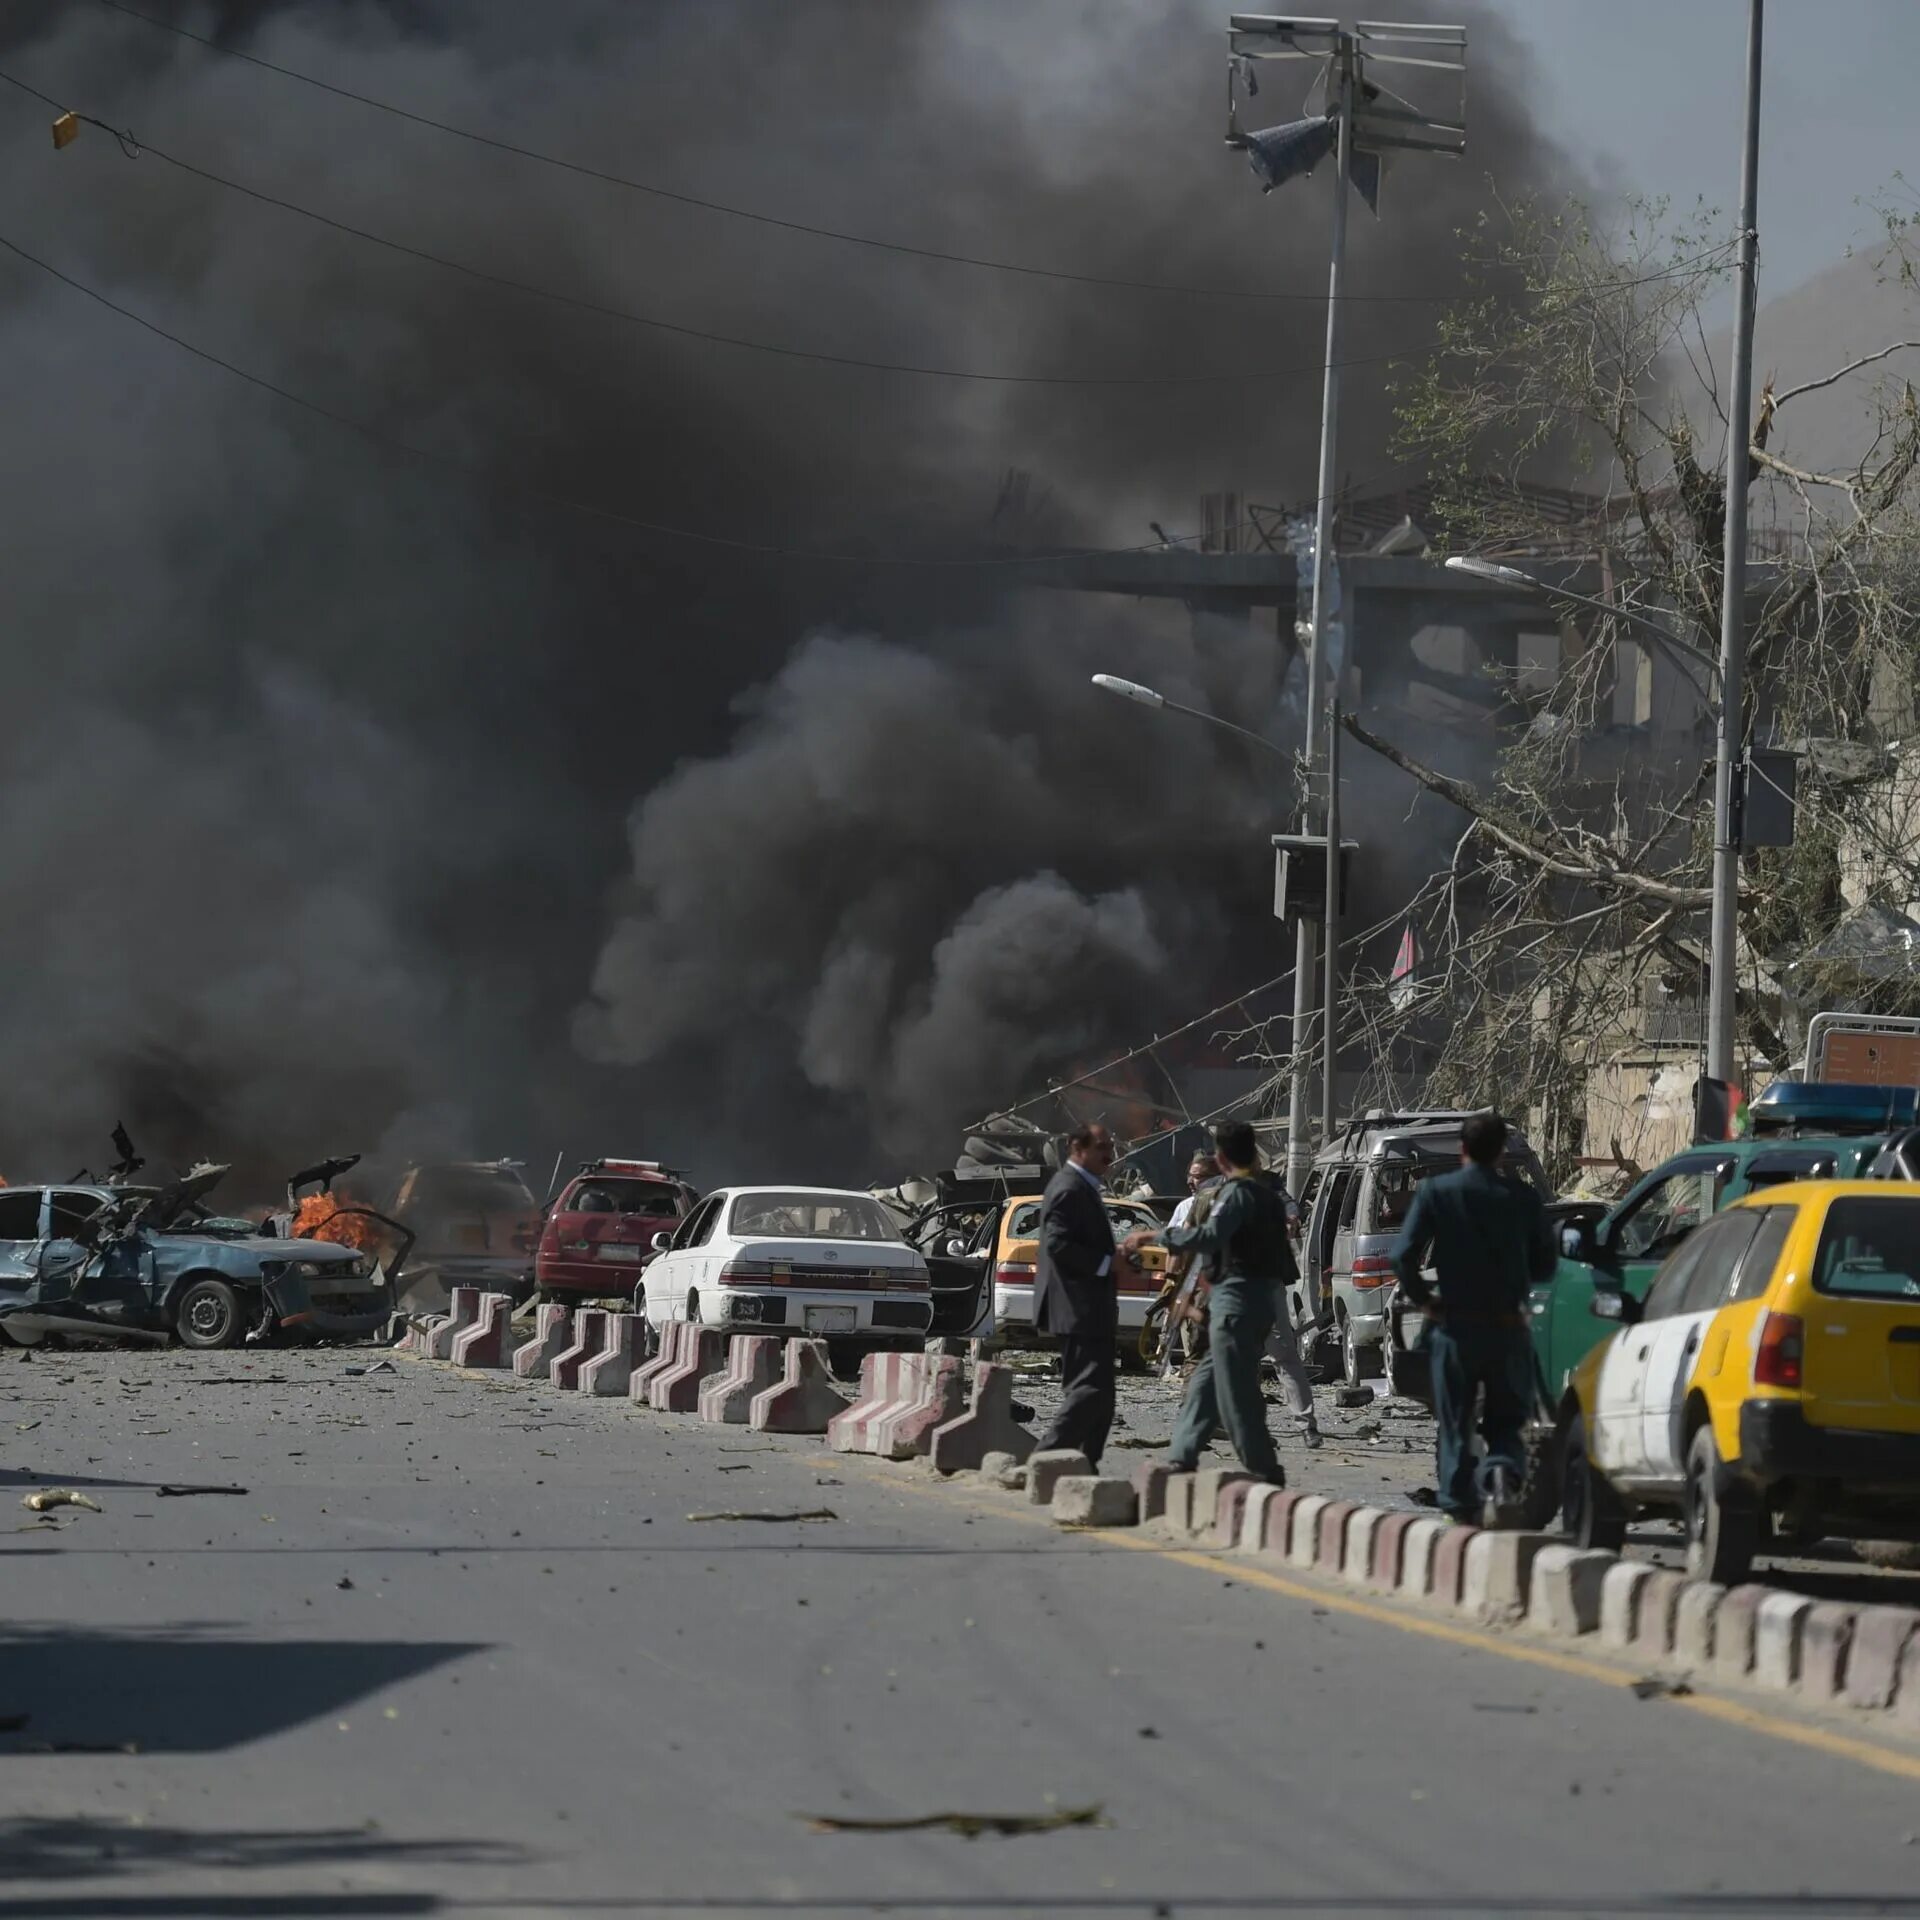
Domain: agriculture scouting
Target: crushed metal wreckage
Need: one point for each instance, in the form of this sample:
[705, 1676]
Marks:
[116, 1260]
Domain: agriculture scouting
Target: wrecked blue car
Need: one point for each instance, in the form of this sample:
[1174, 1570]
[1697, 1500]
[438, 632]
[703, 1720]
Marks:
[95, 1261]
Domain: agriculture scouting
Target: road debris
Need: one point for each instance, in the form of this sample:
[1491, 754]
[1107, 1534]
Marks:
[969, 1826]
[49, 1497]
[806, 1513]
[182, 1493]
[1655, 1688]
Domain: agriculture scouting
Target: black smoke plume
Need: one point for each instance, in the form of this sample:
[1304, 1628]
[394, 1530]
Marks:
[319, 757]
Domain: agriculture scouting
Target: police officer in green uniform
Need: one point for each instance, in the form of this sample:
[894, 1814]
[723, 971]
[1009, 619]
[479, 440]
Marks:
[1489, 1240]
[1250, 1258]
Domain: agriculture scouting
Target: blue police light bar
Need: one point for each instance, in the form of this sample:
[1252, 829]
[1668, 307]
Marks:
[1826, 1106]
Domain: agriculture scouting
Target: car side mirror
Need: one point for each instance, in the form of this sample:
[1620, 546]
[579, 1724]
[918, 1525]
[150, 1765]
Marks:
[662, 1241]
[1616, 1304]
[1576, 1242]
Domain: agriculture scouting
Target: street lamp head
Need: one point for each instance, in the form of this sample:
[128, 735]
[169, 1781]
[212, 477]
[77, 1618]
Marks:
[1129, 690]
[1491, 570]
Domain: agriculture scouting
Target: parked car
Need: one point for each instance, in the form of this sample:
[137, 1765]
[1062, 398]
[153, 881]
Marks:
[1356, 1201]
[1769, 1382]
[599, 1231]
[813, 1261]
[87, 1261]
[1013, 1235]
[477, 1226]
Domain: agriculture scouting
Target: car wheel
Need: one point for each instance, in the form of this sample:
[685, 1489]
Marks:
[1592, 1513]
[1722, 1533]
[207, 1316]
[1389, 1361]
[1356, 1363]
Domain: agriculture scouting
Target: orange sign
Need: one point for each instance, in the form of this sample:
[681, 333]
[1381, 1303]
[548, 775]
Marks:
[1872, 1059]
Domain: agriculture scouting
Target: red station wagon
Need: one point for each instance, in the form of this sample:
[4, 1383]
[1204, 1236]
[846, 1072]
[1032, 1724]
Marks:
[599, 1233]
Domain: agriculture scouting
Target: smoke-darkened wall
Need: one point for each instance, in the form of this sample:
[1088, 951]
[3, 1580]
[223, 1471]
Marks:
[351, 797]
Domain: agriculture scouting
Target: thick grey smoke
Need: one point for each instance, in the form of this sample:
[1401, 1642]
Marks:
[319, 756]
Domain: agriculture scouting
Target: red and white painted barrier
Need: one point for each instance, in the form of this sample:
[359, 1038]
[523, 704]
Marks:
[667, 1355]
[466, 1313]
[754, 1363]
[903, 1433]
[489, 1341]
[889, 1383]
[589, 1336]
[676, 1389]
[552, 1335]
[610, 1371]
[987, 1426]
[805, 1400]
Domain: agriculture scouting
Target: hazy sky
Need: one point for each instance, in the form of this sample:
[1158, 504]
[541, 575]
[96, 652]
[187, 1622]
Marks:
[1652, 88]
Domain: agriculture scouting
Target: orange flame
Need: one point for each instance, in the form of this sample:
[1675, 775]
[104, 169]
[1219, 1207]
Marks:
[319, 1217]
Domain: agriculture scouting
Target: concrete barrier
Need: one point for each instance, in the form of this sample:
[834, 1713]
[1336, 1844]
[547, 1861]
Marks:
[1056, 1463]
[1495, 1575]
[1303, 1538]
[667, 1354]
[1390, 1550]
[609, 1372]
[1880, 1637]
[466, 1313]
[1450, 1563]
[1218, 1495]
[1092, 1500]
[1417, 1555]
[1356, 1564]
[419, 1332]
[1251, 1530]
[702, 1351]
[489, 1341]
[1276, 1523]
[804, 1400]
[589, 1336]
[987, 1426]
[552, 1334]
[887, 1381]
[1825, 1636]
[1693, 1622]
[903, 1433]
[1776, 1639]
[1564, 1589]
[1150, 1480]
[1735, 1628]
[1330, 1534]
[754, 1363]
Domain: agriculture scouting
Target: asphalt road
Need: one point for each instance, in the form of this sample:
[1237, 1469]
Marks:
[459, 1648]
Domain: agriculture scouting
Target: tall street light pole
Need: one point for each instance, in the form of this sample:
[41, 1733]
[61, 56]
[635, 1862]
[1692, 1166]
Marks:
[1724, 947]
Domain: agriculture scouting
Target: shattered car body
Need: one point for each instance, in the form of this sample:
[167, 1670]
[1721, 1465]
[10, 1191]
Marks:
[106, 1261]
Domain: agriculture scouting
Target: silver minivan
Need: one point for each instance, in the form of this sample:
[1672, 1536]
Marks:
[1356, 1201]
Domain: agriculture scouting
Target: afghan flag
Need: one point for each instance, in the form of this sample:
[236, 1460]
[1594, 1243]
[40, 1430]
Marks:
[1719, 1111]
[1402, 985]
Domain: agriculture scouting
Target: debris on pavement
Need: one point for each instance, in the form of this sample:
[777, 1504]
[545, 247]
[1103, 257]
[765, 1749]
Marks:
[1353, 1396]
[49, 1497]
[806, 1513]
[1653, 1687]
[182, 1493]
[969, 1826]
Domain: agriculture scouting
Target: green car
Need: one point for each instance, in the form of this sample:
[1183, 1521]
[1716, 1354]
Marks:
[1626, 1245]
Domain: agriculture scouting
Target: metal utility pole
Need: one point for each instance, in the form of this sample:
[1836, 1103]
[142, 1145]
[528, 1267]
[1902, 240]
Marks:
[1355, 132]
[1724, 948]
[1330, 998]
[1299, 1091]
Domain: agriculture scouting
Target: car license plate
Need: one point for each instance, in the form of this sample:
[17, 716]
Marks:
[631, 1254]
[830, 1319]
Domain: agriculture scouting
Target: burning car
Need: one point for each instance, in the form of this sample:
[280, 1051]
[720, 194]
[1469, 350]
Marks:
[113, 1260]
[599, 1231]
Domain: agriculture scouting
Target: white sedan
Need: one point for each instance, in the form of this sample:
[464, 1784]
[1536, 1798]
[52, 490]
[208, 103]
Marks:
[816, 1262]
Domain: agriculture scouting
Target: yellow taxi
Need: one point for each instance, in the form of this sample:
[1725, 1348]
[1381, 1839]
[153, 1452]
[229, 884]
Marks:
[1016, 1257]
[1767, 1387]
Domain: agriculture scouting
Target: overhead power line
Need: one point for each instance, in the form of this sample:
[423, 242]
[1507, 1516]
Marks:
[136, 147]
[658, 192]
[571, 503]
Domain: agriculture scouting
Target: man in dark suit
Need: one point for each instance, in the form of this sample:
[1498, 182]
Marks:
[1488, 1233]
[1075, 1291]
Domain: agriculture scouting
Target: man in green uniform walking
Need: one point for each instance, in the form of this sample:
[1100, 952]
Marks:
[1250, 1259]
[1489, 1240]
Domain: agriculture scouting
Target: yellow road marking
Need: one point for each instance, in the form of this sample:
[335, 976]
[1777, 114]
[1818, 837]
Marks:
[1828, 1740]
